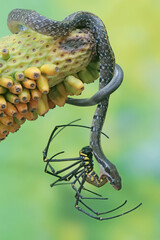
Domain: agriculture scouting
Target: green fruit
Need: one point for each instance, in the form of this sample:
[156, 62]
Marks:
[29, 57]
[29, 49]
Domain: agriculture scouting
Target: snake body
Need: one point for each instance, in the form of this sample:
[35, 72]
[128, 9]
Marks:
[20, 19]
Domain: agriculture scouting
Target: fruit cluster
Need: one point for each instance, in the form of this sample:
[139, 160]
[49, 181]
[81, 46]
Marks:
[38, 72]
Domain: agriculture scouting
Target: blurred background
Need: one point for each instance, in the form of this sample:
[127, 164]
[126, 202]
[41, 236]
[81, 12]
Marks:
[29, 208]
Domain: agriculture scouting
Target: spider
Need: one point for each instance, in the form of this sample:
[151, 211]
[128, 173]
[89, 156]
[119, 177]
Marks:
[79, 172]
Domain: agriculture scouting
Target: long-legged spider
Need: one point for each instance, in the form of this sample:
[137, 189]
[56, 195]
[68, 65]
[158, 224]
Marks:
[78, 173]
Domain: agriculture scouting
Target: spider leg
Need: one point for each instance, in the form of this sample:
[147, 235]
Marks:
[51, 159]
[74, 175]
[90, 190]
[62, 160]
[80, 197]
[100, 218]
[59, 160]
[102, 93]
[52, 169]
[65, 159]
[53, 136]
[114, 209]
[67, 177]
[98, 213]
[53, 173]
[78, 191]
[66, 168]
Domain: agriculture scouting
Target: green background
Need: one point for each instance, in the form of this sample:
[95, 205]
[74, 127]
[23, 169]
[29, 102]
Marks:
[29, 208]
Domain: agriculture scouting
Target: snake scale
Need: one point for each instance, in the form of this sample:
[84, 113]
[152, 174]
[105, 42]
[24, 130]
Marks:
[20, 19]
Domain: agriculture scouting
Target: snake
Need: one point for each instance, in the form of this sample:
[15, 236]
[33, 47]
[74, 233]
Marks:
[21, 19]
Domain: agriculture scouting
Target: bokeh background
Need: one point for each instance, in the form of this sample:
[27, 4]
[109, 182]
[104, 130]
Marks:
[29, 208]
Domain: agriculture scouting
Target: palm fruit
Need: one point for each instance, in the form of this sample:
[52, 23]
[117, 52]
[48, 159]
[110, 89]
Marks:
[38, 72]
[73, 85]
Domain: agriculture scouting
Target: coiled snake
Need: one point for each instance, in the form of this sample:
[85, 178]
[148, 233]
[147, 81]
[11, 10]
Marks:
[111, 74]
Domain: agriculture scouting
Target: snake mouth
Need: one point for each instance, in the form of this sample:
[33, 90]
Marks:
[114, 180]
[118, 187]
[115, 184]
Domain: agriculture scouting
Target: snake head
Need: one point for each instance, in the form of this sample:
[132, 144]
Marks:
[112, 176]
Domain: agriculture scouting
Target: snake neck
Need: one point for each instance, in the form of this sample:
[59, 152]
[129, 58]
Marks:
[108, 169]
[97, 124]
